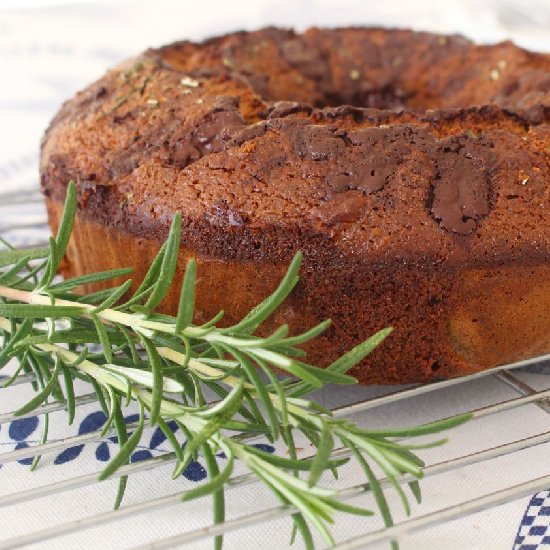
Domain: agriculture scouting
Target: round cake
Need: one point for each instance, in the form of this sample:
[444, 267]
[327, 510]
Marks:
[412, 170]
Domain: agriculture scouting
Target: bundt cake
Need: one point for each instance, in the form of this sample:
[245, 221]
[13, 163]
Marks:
[412, 170]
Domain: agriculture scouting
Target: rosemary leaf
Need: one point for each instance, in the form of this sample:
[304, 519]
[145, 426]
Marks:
[262, 393]
[71, 284]
[126, 449]
[122, 437]
[218, 479]
[415, 490]
[157, 382]
[67, 220]
[306, 336]
[11, 274]
[322, 457]
[28, 311]
[302, 527]
[12, 340]
[168, 265]
[103, 337]
[289, 463]
[113, 406]
[42, 440]
[69, 393]
[10, 256]
[52, 266]
[424, 429]
[349, 509]
[22, 360]
[215, 487]
[41, 396]
[375, 487]
[187, 297]
[261, 312]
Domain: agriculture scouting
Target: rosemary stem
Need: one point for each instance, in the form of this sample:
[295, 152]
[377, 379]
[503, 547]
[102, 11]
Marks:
[233, 381]
[197, 365]
[168, 408]
[131, 320]
[106, 378]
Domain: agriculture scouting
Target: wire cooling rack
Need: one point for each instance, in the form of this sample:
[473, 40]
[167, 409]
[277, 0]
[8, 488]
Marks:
[31, 221]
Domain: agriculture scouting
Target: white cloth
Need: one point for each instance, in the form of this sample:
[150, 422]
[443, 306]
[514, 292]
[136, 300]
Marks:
[46, 54]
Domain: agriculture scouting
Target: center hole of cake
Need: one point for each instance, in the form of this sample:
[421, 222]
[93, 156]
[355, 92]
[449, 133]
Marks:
[365, 94]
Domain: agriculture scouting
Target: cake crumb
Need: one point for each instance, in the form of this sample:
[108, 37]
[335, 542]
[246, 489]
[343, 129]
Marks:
[190, 82]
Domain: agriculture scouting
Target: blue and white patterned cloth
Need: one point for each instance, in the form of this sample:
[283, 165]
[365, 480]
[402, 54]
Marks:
[46, 54]
[534, 531]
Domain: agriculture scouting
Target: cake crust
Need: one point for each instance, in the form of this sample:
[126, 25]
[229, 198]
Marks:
[411, 169]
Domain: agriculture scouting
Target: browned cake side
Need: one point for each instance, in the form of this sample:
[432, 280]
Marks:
[424, 206]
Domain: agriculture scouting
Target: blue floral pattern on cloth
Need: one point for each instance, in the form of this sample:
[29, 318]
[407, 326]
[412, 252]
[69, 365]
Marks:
[534, 530]
[21, 430]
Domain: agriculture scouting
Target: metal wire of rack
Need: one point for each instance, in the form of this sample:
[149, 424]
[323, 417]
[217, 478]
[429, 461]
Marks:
[524, 395]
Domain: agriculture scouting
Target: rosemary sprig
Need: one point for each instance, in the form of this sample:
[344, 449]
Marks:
[164, 364]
